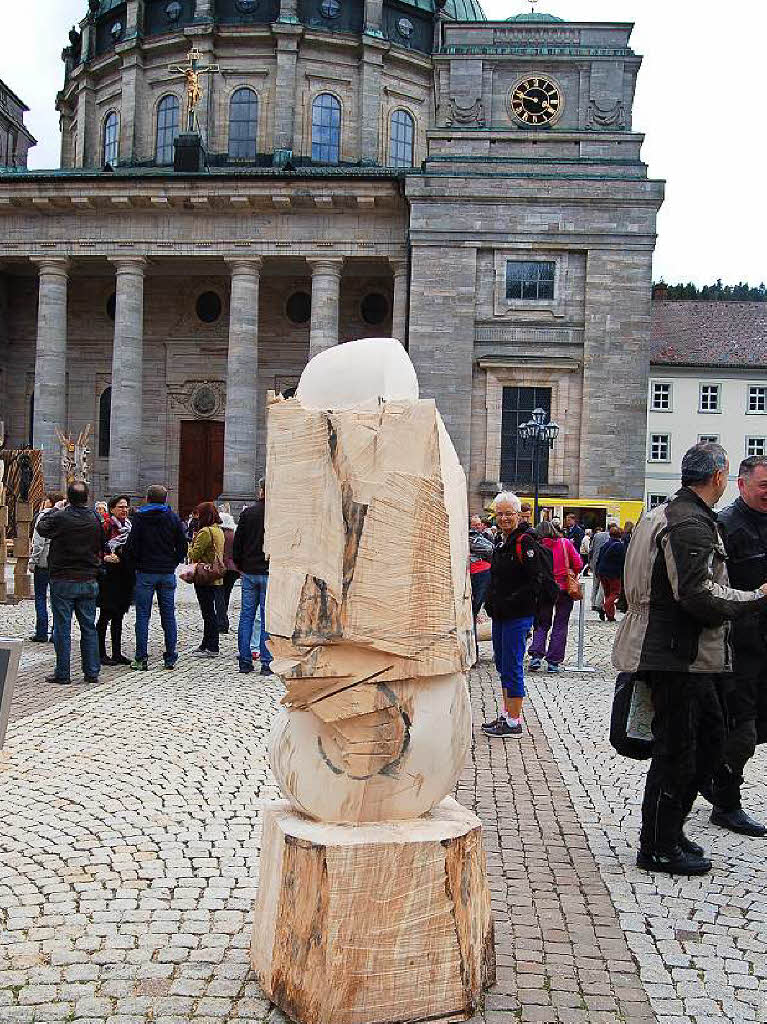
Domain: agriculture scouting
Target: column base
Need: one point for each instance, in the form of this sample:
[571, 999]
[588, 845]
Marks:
[377, 922]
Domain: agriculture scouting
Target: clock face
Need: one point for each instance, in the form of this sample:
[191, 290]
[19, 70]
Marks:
[536, 101]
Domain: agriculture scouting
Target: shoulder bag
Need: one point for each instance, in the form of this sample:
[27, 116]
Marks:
[573, 587]
[208, 573]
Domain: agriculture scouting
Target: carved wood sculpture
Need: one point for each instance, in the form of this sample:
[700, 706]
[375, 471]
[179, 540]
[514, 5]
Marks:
[23, 491]
[373, 903]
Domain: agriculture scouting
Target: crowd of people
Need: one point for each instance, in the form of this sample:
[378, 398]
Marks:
[693, 586]
[100, 560]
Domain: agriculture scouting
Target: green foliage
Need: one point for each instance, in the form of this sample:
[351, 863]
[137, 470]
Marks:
[717, 292]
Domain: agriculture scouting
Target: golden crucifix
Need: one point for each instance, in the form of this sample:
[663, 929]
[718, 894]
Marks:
[192, 73]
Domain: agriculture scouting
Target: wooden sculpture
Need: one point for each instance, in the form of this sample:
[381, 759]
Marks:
[373, 903]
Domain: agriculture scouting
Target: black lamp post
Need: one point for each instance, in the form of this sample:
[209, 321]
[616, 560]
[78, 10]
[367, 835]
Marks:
[539, 432]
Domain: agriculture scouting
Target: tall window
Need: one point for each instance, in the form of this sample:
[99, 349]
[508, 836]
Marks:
[757, 398]
[401, 139]
[756, 446]
[529, 280]
[516, 455]
[653, 500]
[660, 448]
[110, 138]
[105, 420]
[660, 400]
[326, 129]
[167, 129]
[243, 125]
[709, 398]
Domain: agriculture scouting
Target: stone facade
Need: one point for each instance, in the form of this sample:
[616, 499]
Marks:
[108, 274]
[16, 140]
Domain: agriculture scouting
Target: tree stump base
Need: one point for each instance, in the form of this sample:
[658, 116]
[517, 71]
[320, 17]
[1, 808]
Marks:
[373, 923]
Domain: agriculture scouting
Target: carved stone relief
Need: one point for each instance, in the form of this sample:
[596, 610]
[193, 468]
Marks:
[606, 117]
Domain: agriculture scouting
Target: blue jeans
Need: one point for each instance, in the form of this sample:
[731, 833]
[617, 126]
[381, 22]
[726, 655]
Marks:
[253, 596]
[509, 639]
[41, 579]
[78, 596]
[165, 585]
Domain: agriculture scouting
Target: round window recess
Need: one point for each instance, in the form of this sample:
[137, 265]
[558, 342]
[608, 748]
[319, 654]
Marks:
[246, 6]
[299, 308]
[116, 30]
[330, 8]
[204, 400]
[405, 27]
[111, 306]
[374, 308]
[173, 11]
[208, 307]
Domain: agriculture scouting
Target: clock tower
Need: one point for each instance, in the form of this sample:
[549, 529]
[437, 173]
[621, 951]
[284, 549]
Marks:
[533, 229]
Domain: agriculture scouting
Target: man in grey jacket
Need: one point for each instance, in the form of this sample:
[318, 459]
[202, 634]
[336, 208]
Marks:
[675, 635]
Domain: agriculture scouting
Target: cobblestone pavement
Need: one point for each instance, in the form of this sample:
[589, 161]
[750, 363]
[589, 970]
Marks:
[129, 835]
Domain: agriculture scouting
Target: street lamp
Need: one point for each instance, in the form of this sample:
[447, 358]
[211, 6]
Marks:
[539, 432]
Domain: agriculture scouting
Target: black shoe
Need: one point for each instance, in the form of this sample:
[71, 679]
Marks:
[688, 846]
[90, 679]
[55, 679]
[244, 668]
[120, 659]
[266, 670]
[38, 639]
[676, 862]
[106, 660]
[601, 616]
[223, 630]
[738, 821]
[502, 729]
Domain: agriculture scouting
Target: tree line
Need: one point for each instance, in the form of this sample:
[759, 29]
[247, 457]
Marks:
[718, 292]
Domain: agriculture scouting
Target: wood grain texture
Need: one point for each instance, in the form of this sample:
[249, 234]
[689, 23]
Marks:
[374, 923]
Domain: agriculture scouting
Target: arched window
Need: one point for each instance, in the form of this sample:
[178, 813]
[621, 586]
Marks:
[105, 418]
[167, 129]
[111, 125]
[326, 129]
[243, 125]
[401, 139]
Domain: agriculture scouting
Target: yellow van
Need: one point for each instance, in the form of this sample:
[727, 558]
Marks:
[593, 513]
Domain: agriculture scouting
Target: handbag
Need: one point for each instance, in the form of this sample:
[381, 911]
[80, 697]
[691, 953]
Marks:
[631, 717]
[573, 587]
[207, 573]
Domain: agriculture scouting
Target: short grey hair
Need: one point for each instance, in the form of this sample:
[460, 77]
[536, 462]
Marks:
[701, 462]
[510, 498]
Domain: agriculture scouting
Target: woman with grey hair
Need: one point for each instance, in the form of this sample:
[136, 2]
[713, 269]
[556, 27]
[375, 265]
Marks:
[511, 602]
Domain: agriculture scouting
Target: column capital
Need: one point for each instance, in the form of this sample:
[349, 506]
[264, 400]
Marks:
[398, 265]
[244, 265]
[326, 265]
[129, 264]
[51, 264]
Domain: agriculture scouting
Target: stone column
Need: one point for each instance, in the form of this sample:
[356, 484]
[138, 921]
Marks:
[326, 290]
[399, 306]
[242, 388]
[51, 364]
[125, 425]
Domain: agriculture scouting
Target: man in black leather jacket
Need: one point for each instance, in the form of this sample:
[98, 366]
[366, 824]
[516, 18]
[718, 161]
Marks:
[744, 531]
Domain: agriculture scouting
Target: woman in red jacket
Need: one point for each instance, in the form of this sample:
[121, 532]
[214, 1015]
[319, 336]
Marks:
[552, 619]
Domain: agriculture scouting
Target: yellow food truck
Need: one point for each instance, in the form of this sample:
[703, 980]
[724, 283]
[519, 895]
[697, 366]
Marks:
[593, 513]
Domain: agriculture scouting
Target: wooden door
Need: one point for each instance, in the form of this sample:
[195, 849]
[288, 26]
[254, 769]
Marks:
[201, 463]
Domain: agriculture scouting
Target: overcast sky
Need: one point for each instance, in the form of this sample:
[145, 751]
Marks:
[700, 100]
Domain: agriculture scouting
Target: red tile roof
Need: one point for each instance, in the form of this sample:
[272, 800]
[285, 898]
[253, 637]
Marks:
[692, 333]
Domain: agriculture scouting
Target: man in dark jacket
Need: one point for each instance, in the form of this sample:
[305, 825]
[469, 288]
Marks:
[574, 531]
[74, 560]
[744, 530]
[156, 545]
[248, 556]
[674, 634]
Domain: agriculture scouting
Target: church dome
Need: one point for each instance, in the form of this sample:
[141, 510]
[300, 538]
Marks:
[535, 16]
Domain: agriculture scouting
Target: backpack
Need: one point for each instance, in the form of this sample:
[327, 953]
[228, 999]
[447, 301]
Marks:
[546, 586]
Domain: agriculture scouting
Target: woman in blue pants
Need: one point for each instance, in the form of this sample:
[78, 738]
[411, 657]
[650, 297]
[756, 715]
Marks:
[511, 601]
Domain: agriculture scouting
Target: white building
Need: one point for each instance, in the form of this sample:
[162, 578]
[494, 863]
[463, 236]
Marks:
[708, 382]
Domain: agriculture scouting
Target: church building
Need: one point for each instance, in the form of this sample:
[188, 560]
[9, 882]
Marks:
[368, 168]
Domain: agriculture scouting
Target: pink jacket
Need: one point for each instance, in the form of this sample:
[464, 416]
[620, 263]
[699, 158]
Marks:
[560, 549]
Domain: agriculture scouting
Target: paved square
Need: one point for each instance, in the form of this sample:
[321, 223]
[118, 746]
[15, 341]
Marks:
[129, 837]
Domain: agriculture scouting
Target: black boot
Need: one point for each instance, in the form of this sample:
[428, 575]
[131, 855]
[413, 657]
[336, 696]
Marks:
[738, 821]
[674, 862]
[688, 846]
